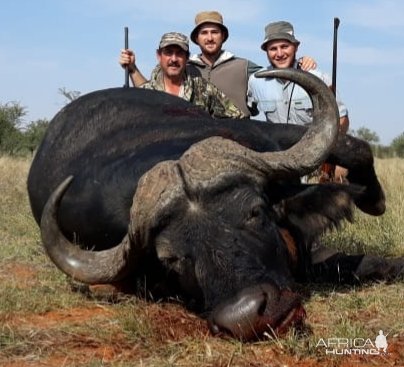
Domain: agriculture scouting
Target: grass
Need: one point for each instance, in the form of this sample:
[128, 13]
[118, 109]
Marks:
[377, 235]
[43, 322]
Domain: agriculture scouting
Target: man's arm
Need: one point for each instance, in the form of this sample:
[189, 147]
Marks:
[343, 124]
[136, 76]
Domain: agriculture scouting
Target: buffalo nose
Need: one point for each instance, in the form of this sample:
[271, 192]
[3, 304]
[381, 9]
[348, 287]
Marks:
[256, 310]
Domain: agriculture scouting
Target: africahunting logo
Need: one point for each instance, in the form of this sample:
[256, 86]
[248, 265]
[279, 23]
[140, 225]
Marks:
[355, 346]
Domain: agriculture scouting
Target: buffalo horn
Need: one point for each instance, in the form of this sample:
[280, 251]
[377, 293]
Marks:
[91, 267]
[215, 158]
[313, 148]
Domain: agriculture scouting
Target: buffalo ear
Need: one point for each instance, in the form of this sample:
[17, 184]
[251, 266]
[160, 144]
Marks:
[318, 208]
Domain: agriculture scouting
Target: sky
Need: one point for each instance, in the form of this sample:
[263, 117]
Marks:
[46, 45]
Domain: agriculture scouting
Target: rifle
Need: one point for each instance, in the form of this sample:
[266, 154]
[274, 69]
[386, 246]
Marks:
[126, 85]
[334, 57]
[327, 172]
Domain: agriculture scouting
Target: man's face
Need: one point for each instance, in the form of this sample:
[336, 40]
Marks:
[210, 38]
[281, 53]
[173, 60]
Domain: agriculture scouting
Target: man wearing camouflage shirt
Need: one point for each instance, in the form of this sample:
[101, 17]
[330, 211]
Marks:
[171, 76]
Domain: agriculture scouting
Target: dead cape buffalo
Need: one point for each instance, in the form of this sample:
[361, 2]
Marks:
[210, 210]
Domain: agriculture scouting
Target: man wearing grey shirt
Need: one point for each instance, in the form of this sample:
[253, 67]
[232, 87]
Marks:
[280, 101]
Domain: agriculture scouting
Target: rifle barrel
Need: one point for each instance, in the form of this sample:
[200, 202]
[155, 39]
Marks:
[127, 67]
[334, 56]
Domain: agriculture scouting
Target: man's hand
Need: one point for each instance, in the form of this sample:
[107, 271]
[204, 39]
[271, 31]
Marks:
[307, 63]
[340, 174]
[127, 58]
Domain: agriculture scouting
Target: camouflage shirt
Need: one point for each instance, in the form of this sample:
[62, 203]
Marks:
[199, 92]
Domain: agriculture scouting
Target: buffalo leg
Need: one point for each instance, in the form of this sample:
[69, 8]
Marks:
[337, 267]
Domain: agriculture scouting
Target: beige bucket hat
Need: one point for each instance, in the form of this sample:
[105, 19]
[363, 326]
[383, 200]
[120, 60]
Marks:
[209, 17]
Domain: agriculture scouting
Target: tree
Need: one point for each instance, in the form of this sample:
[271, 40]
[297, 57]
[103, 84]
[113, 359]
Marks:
[11, 137]
[69, 95]
[398, 145]
[365, 134]
[14, 138]
[34, 134]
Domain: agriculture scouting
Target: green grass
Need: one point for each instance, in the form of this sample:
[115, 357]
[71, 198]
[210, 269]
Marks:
[132, 332]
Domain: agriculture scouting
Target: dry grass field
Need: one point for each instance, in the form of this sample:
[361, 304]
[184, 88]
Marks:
[44, 322]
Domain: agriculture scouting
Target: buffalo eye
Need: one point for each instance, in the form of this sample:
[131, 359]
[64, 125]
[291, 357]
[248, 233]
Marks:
[173, 263]
[178, 264]
[255, 216]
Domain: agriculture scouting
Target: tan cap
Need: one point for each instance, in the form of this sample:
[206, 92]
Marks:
[174, 38]
[209, 17]
[279, 31]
